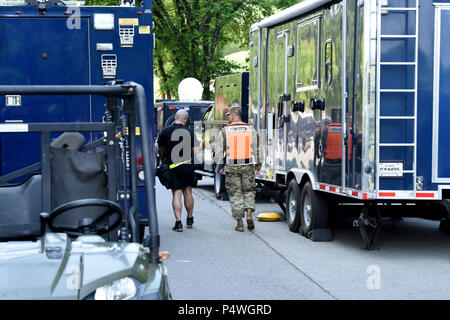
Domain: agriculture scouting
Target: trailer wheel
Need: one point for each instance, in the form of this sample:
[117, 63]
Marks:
[313, 210]
[293, 206]
[219, 184]
[445, 225]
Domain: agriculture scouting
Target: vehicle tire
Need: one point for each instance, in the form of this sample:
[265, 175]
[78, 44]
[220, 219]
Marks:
[313, 210]
[219, 183]
[444, 225]
[293, 206]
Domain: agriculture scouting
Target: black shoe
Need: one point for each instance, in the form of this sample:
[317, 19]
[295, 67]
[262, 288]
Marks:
[178, 227]
[190, 222]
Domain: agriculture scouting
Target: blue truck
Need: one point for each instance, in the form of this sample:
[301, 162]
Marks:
[56, 43]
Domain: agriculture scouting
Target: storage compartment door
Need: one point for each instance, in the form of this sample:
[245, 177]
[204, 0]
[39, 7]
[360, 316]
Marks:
[441, 103]
[40, 51]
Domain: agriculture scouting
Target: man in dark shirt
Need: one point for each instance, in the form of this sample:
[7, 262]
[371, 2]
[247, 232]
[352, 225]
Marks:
[175, 146]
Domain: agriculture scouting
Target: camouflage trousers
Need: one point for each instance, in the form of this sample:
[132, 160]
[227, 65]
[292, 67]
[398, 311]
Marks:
[240, 185]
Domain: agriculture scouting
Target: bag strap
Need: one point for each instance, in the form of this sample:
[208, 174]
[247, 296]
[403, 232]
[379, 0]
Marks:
[174, 165]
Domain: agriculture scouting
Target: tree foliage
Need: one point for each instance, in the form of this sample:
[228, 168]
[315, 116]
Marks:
[191, 35]
[101, 2]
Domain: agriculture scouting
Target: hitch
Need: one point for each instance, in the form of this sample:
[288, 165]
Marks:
[369, 226]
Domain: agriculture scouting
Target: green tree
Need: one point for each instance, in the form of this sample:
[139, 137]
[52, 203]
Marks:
[101, 2]
[191, 35]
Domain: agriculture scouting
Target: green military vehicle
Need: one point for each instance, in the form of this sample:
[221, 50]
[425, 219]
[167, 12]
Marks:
[70, 226]
[228, 89]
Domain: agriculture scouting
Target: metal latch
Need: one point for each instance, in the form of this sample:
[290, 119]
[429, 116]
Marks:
[317, 104]
[109, 66]
[126, 34]
[122, 196]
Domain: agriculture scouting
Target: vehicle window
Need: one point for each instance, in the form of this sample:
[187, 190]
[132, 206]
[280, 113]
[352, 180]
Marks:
[198, 113]
[308, 53]
[208, 114]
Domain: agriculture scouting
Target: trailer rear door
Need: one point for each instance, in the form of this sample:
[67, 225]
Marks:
[441, 105]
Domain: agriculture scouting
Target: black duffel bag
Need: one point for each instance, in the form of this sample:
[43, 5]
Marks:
[164, 175]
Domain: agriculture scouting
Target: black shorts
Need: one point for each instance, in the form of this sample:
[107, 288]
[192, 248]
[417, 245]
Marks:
[182, 176]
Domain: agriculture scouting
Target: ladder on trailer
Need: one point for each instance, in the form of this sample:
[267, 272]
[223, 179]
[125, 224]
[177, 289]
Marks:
[396, 96]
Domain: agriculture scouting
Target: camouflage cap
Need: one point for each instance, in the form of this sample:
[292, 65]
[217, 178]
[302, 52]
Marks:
[234, 108]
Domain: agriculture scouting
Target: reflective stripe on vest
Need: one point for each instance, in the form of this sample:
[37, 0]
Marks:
[239, 143]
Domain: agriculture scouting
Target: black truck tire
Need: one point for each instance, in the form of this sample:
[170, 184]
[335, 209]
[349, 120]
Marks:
[313, 210]
[445, 225]
[293, 206]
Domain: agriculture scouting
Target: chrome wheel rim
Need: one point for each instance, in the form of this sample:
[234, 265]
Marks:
[217, 182]
[292, 206]
[307, 210]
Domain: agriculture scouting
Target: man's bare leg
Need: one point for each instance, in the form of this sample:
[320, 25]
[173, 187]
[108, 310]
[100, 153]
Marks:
[188, 201]
[176, 203]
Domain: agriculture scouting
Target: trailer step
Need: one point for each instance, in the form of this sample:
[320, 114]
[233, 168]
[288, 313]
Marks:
[398, 90]
[398, 36]
[400, 63]
[397, 117]
[397, 144]
[399, 8]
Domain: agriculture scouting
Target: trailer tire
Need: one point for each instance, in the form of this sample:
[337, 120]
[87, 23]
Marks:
[445, 226]
[313, 210]
[219, 184]
[293, 205]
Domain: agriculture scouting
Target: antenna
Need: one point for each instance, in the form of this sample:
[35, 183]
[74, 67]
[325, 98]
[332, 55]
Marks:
[127, 3]
[190, 89]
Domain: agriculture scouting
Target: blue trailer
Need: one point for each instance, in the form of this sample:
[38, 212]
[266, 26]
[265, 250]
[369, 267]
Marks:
[56, 43]
[352, 98]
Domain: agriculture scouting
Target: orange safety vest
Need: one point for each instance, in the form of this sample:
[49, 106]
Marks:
[239, 143]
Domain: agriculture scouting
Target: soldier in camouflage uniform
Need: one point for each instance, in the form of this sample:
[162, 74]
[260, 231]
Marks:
[239, 142]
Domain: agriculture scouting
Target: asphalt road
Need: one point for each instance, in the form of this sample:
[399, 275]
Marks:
[212, 261]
